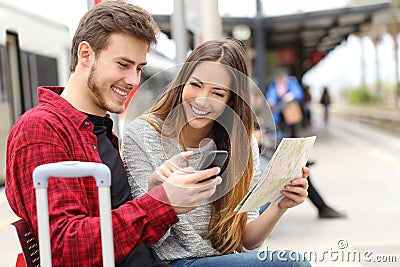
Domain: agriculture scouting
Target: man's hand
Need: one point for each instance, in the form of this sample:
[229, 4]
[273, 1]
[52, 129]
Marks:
[184, 191]
[181, 183]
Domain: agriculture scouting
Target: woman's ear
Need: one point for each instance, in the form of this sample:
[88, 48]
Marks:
[84, 53]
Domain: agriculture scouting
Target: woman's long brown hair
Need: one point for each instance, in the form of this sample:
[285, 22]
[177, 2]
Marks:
[231, 133]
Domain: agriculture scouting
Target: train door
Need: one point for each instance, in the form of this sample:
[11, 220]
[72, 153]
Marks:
[11, 98]
[14, 75]
[5, 111]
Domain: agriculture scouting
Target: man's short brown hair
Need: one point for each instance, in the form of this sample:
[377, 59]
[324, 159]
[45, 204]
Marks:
[112, 16]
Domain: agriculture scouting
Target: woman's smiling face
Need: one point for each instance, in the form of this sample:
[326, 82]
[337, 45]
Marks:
[206, 94]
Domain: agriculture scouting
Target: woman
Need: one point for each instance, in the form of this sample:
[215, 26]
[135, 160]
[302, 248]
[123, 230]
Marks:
[205, 108]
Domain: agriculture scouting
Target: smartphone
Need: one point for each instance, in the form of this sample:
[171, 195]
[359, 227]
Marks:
[215, 158]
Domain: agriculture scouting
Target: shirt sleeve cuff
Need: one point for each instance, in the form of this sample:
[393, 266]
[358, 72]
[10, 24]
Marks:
[157, 201]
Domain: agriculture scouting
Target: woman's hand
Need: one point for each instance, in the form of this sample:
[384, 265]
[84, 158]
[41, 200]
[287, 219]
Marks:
[163, 172]
[295, 192]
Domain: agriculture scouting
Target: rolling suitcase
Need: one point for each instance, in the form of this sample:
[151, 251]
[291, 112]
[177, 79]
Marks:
[69, 169]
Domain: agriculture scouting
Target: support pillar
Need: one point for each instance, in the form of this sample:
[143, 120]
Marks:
[178, 30]
[259, 44]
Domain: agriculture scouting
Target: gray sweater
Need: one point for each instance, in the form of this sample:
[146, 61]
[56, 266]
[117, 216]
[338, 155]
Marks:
[144, 149]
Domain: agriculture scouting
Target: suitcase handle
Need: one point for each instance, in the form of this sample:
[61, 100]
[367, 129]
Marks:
[70, 169]
[73, 169]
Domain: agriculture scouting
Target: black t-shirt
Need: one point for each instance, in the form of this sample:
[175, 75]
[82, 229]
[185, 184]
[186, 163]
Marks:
[109, 154]
[143, 255]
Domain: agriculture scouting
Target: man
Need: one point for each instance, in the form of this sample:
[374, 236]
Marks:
[107, 56]
[282, 90]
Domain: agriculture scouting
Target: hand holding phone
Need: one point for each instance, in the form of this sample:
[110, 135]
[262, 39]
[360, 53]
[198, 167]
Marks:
[214, 158]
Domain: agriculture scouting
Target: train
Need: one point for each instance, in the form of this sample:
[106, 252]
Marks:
[35, 51]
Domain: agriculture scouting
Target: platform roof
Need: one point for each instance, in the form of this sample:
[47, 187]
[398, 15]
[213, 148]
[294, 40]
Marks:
[319, 29]
[311, 31]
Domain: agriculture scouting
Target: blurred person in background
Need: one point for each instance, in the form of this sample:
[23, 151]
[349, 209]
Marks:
[306, 106]
[282, 93]
[325, 101]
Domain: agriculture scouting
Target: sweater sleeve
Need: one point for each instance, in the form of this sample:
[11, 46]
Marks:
[141, 157]
[141, 154]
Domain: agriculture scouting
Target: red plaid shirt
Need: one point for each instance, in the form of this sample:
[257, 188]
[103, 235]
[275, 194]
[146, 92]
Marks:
[55, 131]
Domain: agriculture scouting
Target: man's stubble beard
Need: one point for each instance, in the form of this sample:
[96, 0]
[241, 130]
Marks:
[99, 98]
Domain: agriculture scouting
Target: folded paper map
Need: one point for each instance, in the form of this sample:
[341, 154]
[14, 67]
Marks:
[286, 164]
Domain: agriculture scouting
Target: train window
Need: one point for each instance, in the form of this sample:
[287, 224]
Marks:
[37, 70]
[47, 70]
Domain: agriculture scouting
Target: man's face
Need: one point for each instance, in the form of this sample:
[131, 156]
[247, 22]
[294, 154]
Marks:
[115, 72]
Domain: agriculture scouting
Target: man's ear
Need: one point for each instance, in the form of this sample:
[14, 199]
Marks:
[85, 52]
